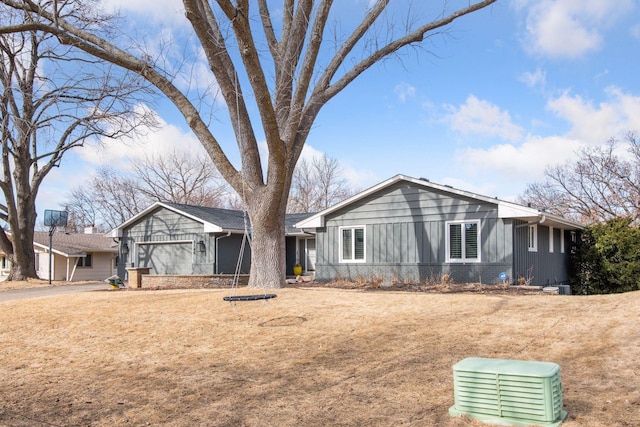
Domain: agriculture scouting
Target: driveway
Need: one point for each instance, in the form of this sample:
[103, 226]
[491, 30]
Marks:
[52, 291]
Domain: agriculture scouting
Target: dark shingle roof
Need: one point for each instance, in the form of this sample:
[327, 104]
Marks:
[231, 219]
[228, 219]
[75, 243]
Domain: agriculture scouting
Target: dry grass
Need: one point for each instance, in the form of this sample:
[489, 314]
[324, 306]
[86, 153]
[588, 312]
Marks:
[35, 283]
[311, 357]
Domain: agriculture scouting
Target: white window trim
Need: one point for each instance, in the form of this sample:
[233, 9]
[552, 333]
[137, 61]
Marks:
[353, 243]
[532, 245]
[561, 241]
[463, 260]
[551, 244]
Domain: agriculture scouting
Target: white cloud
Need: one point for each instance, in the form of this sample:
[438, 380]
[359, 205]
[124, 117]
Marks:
[161, 10]
[537, 78]
[524, 162]
[309, 153]
[120, 153]
[482, 118]
[596, 124]
[404, 91]
[570, 28]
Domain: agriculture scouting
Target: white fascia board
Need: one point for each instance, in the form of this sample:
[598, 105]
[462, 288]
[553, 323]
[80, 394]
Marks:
[212, 228]
[45, 249]
[115, 233]
[512, 210]
[314, 221]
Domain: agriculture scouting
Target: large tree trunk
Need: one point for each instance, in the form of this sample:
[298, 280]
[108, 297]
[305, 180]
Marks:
[22, 258]
[267, 210]
[22, 223]
[268, 262]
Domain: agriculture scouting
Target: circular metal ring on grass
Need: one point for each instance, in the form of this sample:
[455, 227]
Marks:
[283, 321]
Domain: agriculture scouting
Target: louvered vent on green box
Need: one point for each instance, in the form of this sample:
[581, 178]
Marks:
[508, 392]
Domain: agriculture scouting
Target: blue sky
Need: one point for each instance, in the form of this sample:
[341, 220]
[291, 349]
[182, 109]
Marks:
[509, 90]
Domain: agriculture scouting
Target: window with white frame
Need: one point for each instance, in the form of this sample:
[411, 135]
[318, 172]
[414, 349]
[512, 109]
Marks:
[463, 241]
[352, 244]
[551, 248]
[533, 238]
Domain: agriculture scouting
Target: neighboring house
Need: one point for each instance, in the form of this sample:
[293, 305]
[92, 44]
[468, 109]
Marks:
[74, 256]
[412, 230]
[171, 238]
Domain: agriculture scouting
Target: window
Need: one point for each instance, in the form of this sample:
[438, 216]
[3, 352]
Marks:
[533, 238]
[463, 241]
[352, 244]
[551, 240]
[561, 241]
[85, 262]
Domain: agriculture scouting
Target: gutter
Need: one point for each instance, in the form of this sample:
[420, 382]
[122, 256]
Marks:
[540, 221]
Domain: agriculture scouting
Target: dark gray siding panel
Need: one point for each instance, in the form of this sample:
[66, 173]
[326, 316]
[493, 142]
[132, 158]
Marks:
[405, 235]
[229, 251]
[165, 227]
[166, 258]
[542, 267]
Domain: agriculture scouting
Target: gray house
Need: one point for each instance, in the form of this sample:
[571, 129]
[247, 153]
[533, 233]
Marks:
[412, 230]
[170, 238]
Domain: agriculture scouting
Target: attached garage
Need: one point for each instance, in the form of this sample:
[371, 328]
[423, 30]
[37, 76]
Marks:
[176, 239]
[166, 257]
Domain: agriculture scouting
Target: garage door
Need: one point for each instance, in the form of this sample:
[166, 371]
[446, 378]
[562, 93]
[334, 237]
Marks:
[166, 258]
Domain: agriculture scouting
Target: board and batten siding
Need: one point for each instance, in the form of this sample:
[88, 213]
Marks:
[176, 231]
[541, 267]
[405, 232]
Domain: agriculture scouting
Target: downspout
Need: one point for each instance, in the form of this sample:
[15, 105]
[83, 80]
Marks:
[540, 221]
[217, 270]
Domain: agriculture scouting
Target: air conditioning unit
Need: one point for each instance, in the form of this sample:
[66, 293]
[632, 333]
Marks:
[508, 392]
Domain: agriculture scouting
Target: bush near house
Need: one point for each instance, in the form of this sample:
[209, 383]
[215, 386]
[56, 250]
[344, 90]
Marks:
[607, 258]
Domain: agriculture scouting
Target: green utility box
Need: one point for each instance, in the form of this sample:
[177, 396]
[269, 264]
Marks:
[508, 392]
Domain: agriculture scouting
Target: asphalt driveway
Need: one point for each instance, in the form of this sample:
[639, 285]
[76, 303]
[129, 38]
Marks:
[52, 290]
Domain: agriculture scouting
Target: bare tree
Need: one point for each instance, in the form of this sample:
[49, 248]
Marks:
[180, 177]
[107, 200]
[598, 186]
[289, 73]
[318, 184]
[113, 196]
[52, 101]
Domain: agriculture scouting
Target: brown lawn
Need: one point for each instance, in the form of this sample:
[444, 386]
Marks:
[311, 357]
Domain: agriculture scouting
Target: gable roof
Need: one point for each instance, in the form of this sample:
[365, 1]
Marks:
[505, 209]
[74, 244]
[214, 220]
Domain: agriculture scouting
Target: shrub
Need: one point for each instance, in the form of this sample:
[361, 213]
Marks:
[607, 258]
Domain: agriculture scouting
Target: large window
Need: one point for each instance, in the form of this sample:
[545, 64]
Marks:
[463, 241]
[352, 244]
